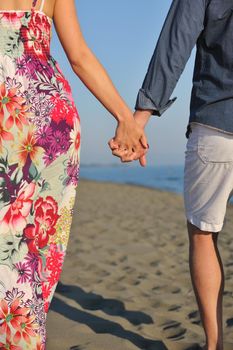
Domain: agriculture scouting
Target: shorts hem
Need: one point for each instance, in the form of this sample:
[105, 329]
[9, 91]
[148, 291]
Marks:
[204, 226]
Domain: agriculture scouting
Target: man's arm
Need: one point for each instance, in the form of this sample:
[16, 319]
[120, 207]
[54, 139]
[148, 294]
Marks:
[181, 29]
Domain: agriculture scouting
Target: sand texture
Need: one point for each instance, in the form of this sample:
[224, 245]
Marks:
[125, 283]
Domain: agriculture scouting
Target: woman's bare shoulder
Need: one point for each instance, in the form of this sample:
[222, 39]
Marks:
[19, 5]
[49, 7]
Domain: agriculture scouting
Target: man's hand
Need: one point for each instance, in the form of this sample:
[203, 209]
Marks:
[142, 117]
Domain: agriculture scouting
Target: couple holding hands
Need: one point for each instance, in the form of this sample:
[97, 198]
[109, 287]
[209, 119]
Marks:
[40, 139]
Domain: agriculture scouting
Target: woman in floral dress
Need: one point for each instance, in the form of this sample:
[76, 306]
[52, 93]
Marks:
[39, 157]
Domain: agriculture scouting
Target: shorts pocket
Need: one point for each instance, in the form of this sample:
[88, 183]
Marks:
[219, 153]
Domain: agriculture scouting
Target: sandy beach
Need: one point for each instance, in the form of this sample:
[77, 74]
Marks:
[125, 283]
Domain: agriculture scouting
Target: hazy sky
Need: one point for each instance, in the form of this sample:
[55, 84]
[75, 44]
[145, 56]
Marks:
[123, 36]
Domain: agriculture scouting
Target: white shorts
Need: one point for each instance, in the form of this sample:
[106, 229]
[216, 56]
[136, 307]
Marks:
[208, 177]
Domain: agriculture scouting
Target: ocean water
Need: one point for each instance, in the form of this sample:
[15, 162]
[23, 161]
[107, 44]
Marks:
[168, 178]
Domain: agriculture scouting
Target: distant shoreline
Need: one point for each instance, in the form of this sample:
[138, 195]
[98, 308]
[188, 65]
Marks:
[167, 177]
[135, 185]
[156, 189]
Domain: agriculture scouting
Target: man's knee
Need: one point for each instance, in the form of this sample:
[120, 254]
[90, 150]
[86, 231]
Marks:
[197, 235]
[192, 229]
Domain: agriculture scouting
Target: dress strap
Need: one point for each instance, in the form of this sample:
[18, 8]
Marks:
[34, 2]
[42, 5]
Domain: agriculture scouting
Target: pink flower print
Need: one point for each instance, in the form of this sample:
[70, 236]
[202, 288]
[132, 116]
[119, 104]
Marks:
[4, 136]
[46, 308]
[31, 261]
[73, 174]
[12, 83]
[36, 36]
[50, 155]
[16, 213]
[40, 346]
[9, 345]
[18, 117]
[54, 263]
[46, 216]
[9, 99]
[75, 139]
[62, 79]
[46, 290]
[24, 272]
[43, 135]
[11, 315]
[59, 141]
[12, 18]
[27, 147]
[32, 239]
[62, 110]
[13, 294]
[27, 329]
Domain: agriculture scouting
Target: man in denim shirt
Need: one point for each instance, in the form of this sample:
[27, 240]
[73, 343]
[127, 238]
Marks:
[209, 25]
[208, 177]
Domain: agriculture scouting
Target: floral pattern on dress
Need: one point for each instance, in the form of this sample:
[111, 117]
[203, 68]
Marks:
[39, 170]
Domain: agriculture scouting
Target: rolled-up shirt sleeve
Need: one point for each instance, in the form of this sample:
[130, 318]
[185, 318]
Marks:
[180, 32]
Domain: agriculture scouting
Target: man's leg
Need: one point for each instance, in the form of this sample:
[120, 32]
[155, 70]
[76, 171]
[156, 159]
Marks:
[207, 277]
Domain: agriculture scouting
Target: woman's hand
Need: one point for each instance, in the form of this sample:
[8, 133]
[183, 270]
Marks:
[130, 142]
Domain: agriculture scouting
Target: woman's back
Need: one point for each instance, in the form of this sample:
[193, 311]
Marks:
[19, 5]
[25, 32]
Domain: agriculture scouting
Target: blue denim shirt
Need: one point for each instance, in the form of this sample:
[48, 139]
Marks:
[208, 24]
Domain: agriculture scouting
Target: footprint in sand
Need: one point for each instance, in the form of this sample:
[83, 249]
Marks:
[174, 307]
[229, 322]
[155, 263]
[194, 316]
[176, 290]
[123, 258]
[227, 293]
[129, 269]
[173, 330]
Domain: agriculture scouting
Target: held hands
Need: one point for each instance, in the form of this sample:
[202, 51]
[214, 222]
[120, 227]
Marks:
[130, 142]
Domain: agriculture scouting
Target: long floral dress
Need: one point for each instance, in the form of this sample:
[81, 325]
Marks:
[39, 166]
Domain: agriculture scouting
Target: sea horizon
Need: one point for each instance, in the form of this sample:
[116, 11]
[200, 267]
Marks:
[162, 177]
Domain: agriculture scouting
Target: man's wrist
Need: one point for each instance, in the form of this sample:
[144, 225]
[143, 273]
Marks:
[143, 116]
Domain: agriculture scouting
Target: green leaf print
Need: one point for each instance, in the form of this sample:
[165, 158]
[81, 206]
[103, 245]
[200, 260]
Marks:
[17, 176]
[52, 85]
[3, 165]
[4, 193]
[4, 196]
[43, 184]
[11, 44]
[33, 172]
[25, 19]
[46, 186]
[12, 249]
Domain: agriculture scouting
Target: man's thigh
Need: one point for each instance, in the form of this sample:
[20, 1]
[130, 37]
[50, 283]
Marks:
[208, 177]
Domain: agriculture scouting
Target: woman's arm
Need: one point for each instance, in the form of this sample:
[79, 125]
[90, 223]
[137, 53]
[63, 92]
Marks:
[129, 135]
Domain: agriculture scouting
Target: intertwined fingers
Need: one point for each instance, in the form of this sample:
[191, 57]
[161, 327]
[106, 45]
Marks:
[113, 144]
[126, 154]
